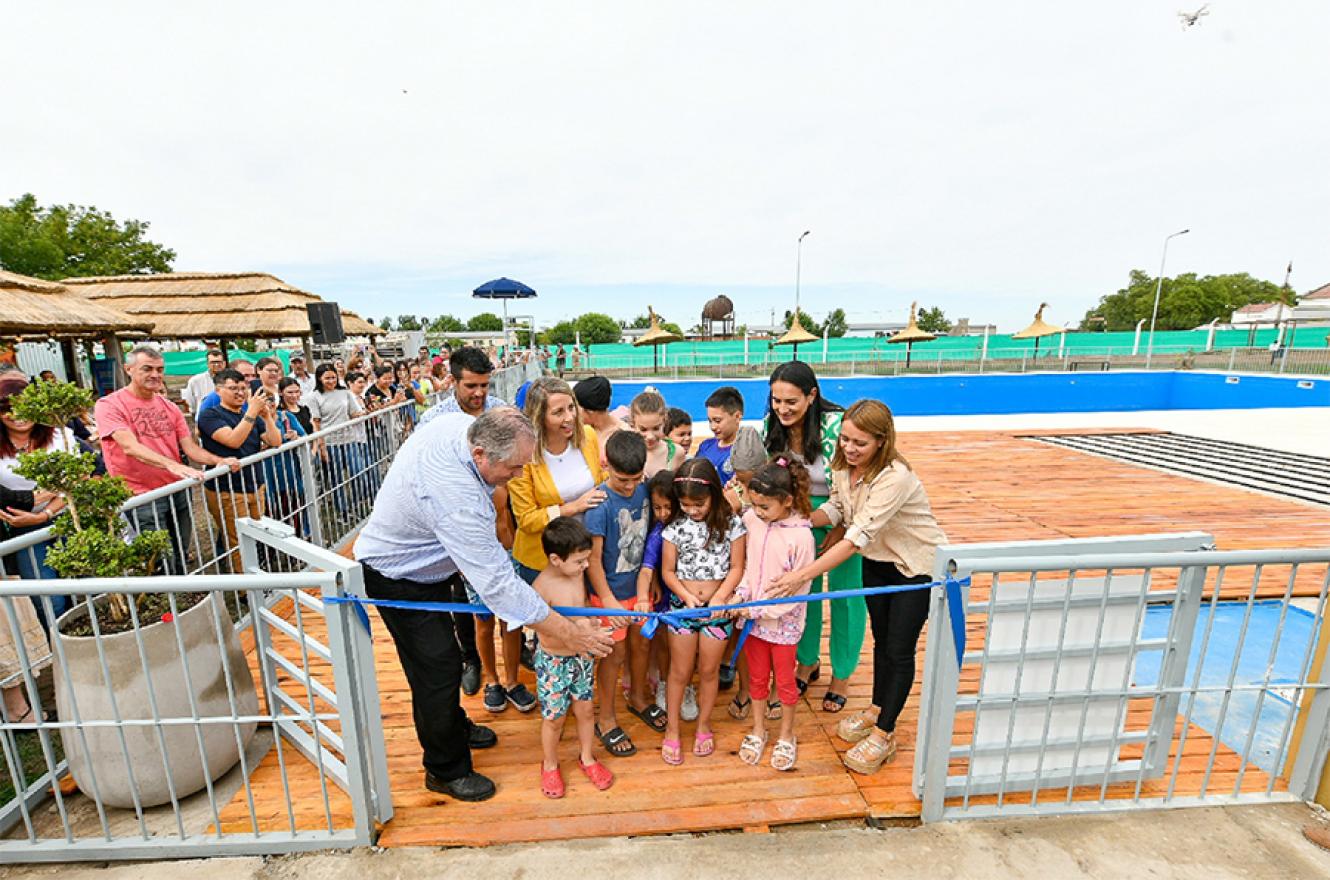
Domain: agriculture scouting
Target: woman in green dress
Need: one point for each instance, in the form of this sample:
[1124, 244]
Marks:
[801, 420]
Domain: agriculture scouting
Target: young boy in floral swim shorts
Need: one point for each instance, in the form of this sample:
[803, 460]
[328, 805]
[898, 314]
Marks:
[564, 679]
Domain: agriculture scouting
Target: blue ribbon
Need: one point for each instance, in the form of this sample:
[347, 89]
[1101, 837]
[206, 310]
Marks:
[678, 616]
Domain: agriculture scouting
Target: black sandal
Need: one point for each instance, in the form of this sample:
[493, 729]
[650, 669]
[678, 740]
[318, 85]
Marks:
[837, 700]
[803, 685]
[652, 716]
[616, 742]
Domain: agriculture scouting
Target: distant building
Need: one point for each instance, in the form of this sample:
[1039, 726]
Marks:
[872, 330]
[963, 327]
[1313, 308]
[1260, 314]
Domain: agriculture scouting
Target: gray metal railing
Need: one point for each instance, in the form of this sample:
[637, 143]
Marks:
[891, 360]
[1125, 673]
[161, 727]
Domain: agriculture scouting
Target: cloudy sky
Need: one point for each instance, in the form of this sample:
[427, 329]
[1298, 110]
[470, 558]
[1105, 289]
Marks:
[978, 157]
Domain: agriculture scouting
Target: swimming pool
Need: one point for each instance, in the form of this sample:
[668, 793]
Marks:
[1020, 393]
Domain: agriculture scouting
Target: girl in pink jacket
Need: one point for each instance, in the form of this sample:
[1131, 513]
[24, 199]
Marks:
[780, 540]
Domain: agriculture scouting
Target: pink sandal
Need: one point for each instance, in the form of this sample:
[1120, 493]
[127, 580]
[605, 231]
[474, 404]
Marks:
[704, 745]
[551, 783]
[671, 752]
[599, 775]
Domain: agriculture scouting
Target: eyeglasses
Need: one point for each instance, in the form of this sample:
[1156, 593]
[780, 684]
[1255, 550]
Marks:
[6, 406]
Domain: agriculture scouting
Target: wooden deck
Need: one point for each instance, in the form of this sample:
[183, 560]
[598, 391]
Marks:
[984, 487]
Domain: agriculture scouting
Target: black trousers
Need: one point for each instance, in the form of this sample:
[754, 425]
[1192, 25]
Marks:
[464, 625]
[896, 619]
[427, 646]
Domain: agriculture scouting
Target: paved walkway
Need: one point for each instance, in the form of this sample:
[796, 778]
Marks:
[1252, 843]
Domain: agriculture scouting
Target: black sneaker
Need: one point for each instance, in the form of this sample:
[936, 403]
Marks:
[481, 737]
[726, 677]
[470, 678]
[471, 787]
[496, 699]
[521, 698]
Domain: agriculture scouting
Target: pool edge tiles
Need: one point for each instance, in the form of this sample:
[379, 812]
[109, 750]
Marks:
[1017, 393]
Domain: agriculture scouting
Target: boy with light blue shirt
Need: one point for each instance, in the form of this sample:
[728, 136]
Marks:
[618, 527]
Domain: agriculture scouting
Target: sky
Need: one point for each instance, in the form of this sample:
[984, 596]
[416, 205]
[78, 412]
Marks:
[980, 158]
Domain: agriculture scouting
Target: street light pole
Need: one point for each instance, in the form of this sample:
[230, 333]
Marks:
[1159, 287]
[798, 266]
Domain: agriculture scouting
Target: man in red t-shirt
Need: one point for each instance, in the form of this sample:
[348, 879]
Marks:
[143, 435]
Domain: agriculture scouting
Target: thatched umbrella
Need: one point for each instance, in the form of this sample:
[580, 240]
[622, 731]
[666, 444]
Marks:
[205, 305]
[36, 309]
[911, 334]
[1038, 329]
[655, 336]
[796, 335]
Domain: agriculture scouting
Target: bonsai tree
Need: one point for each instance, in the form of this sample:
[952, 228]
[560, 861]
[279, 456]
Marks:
[89, 534]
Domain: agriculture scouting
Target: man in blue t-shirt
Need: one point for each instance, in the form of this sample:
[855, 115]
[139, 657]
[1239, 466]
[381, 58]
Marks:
[618, 527]
[725, 411]
[240, 425]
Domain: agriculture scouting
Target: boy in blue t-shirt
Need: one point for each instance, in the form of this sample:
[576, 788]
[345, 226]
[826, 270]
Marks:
[618, 527]
[725, 411]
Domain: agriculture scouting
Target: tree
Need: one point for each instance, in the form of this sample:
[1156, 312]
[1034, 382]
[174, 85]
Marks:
[934, 320]
[564, 332]
[384, 323]
[836, 325]
[446, 324]
[485, 322]
[641, 322]
[1185, 301]
[595, 327]
[64, 241]
[804, 318]
[407, 322]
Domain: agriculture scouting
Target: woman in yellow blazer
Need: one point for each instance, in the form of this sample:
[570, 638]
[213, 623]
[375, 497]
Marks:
[563, 477]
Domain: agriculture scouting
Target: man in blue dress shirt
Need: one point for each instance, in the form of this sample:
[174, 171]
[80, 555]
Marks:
[432, 523]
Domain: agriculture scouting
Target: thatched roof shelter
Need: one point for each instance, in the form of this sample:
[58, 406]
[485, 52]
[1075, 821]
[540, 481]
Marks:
[797, 335]
[203, 305]
[1039, 327]
[37, 309]
[912, 333]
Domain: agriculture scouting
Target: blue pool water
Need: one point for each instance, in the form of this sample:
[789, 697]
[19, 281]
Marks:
[1020, 393]
[1285, 672]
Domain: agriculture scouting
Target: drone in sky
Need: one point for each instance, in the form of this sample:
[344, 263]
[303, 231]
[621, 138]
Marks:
[1191, 19]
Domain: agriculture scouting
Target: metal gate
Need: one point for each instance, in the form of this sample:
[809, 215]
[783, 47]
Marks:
[1123, 673]
[354, 756]
[197, 735]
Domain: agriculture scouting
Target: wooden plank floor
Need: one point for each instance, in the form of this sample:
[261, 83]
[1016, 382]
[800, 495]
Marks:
[984, 487]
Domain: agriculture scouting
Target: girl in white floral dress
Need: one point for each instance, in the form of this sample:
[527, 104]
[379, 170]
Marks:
[702, 561]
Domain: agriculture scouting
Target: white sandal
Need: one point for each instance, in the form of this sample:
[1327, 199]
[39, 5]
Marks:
[751, 749]
[784, 754]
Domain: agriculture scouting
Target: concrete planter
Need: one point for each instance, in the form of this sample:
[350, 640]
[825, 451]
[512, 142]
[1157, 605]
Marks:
[207, 682]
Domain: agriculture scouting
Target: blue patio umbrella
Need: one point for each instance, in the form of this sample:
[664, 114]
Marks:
[504, 289]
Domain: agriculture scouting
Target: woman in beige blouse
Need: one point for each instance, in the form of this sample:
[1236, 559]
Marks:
[878, 509]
